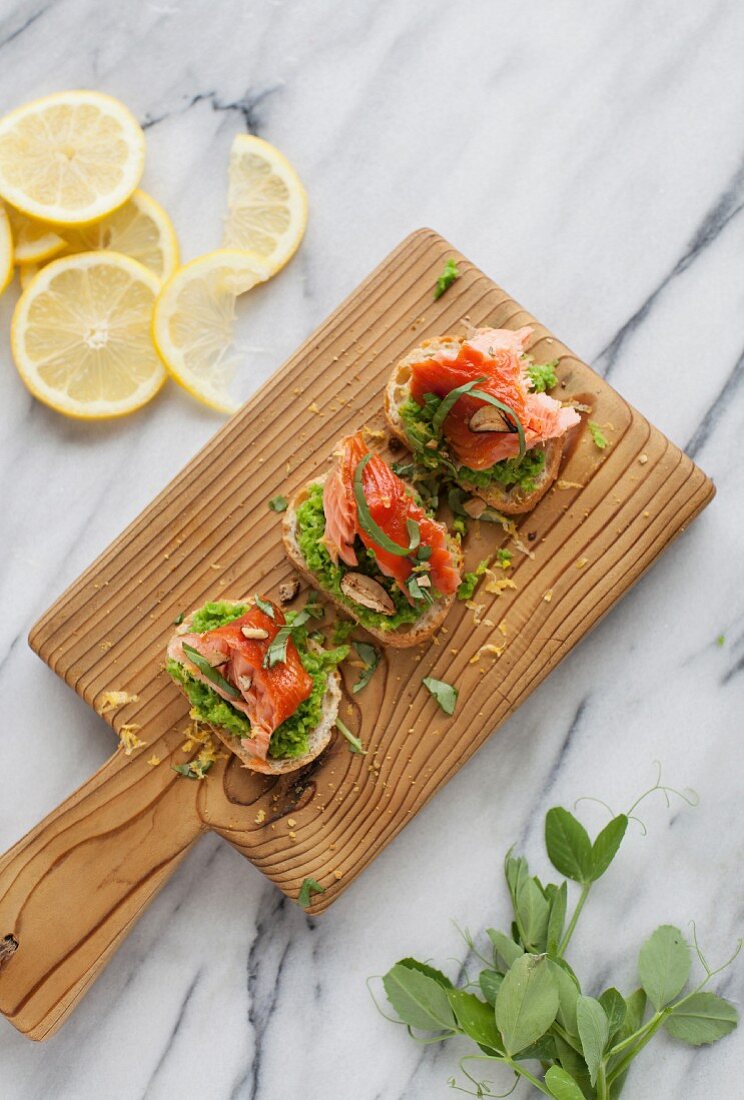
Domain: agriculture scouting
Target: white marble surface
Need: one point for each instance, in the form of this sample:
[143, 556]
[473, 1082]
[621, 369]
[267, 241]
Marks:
[589, 157]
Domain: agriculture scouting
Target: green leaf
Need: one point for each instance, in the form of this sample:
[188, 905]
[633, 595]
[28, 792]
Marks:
[178, 619]
[568, 844]
[445, 694]
[355, 743]
[702, 1018]
[561, 1085]
[504, 946]
[532, 913]
[600, 440]
[476, 1019]
[568, 995]
[543, 1050]
[635, 1010]
[613, 1003]
[527, 1002]
[419, 999]
[606, 845]
[278, 504]
[574, 1064]
[557, 918]
[265, 606]
[194, 770]
[430, 971]
[308, 888]
[593, 1031]
[664, 965]
[370, 655]
[490, 983]
[447, 278]
[277, 651]
[210, 673]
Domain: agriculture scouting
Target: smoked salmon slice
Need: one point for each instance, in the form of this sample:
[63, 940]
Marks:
[391, 507]
[267, 696]
[495, 355]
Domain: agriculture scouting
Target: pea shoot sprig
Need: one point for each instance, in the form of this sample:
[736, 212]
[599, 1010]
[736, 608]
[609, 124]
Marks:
[527, 1012]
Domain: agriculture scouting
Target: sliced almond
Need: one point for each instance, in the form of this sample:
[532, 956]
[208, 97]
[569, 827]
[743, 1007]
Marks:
[487, 419]
[367, 592]
[423, 581]
[288, 590]
[256, 633]
[474, 507]
[244, 682]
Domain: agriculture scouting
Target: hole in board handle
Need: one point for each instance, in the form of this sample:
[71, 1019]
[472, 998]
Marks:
[8, 947]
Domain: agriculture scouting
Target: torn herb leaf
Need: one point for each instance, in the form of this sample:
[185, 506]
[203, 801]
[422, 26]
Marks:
[355, 744]
[446, 279]
[370, 655]
[278, 504]
[597, 435]
[445, 694]
[309, 887]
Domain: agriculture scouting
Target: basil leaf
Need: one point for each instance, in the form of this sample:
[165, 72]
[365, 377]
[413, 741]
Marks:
[593, 1031]
[424, 968]
[278, 504]
[568, 844]
[355, 744]
[308, 888]
[532, 913]
[211, 673]
[193, 770]
[702, 1018]
[419, 1000]
[476, 1019]
[568, 995]
[178, 619]
[450, 400]
[445, 694]
[370, 655]
[557, 918]
[504, 947]
[490, 983]
[265, 606]
[613, 1003]
[277, 651]
[664, 965]
[606, 845]
[527, 1003]
[561, 1085]
[367, 523]
[414, 535]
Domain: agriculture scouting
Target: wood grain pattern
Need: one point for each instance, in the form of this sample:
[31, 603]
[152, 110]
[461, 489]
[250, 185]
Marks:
[100, 857]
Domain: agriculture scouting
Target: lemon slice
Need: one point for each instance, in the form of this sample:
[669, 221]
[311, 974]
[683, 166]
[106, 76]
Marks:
[193, 322]
[267, 204]
[71, 157]
[33, 242]
[81, 335]
[6, 250]
[26, 273]
[140, 229]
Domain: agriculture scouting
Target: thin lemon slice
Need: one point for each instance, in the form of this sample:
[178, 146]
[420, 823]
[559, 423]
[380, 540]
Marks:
[33, 242]
[267, 204]
[193, 322]
[71, 157]
[140, 229]
[6, 250]
[81, 335]
[27, 273]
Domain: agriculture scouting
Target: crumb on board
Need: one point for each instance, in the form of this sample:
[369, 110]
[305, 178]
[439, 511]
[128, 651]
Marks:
[497, 585]
[489, 648]
[548, 595]
[313, 408]
[561, 483]
[128, 739]
[260, 816]
[291, 822]
[154, 761]
[643, 459]
[581, 562]
[112, 700]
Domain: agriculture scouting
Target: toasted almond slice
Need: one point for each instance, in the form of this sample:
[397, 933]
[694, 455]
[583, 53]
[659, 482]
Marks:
[368, 593]
[244, 682]
[255, 632]
[487, 419]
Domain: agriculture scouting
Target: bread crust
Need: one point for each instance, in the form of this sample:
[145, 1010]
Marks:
[511, 502]
[410, 634]
[319, 738]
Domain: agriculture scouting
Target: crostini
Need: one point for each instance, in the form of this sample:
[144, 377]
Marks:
[476, 409]
[265, 688]
[361, 537]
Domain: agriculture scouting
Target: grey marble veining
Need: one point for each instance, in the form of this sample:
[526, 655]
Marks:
[590, 159]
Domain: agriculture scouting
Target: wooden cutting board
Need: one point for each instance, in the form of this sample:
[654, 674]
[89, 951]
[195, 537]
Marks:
[71, 889]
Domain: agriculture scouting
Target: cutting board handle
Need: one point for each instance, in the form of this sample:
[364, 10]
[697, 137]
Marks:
[71, 889]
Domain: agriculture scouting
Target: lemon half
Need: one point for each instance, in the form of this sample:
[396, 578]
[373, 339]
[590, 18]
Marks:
[193, 322]
[6, 250]
[70, 158]
[81, 335]
[267, 204]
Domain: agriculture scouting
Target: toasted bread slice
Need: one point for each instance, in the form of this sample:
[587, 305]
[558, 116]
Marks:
[409, 634]
[319, 738]
[509, 501]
